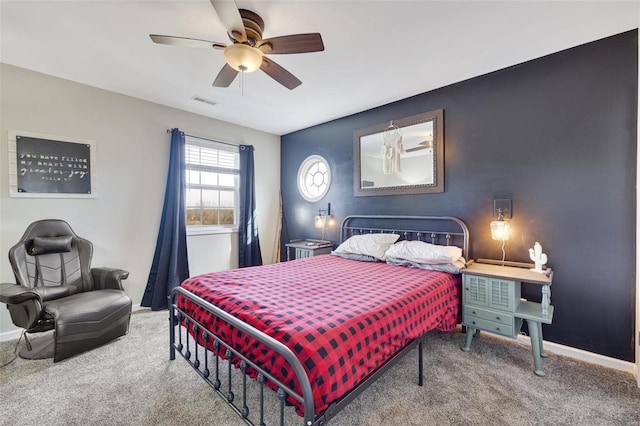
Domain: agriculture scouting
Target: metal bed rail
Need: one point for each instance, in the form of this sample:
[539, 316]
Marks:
[335, 408]
[177, 317]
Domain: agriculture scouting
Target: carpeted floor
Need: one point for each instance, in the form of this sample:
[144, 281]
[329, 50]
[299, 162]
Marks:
[132, 382]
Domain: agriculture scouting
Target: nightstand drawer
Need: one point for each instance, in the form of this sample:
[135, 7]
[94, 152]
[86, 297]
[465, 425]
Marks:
[494, 327]
[310, 252]
[501, 317]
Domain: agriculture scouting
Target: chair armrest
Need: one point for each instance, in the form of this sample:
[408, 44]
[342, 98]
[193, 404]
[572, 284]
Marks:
[13, 294]
[105, 278]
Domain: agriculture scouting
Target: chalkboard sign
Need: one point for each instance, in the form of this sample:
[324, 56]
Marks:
[52, 166]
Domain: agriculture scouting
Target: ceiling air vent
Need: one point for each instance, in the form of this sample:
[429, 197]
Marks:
[203, 100]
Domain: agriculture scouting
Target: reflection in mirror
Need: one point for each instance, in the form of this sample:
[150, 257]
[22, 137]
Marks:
[400, 157]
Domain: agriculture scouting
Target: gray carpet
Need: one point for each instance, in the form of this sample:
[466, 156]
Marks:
[132, 382]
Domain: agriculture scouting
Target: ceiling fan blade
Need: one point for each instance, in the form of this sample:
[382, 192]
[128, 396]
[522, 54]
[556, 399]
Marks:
[279, 74]
[225, 76]
[231, 19]
[417, 148]
[296, 43]
[185, 42]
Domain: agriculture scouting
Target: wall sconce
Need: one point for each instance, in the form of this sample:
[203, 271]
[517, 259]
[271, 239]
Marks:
[500, 227]
[324, 218]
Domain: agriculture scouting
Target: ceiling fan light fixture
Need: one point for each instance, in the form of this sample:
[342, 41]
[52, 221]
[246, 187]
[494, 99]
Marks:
[242, 57]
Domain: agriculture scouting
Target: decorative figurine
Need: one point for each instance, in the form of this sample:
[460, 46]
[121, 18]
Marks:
[538, 257]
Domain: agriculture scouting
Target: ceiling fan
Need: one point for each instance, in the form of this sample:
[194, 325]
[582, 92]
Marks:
[248, 49]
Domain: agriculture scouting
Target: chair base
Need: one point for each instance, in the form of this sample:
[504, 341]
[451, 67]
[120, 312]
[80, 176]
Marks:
[42, 347]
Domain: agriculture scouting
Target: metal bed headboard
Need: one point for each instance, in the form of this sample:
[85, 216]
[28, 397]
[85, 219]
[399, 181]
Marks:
[442, 230]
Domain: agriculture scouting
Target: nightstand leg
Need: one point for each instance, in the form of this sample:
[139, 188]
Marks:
[536, 339]
[543, 354]
[467, 342]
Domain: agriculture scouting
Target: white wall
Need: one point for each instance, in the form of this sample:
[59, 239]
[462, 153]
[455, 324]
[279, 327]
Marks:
[132, 157]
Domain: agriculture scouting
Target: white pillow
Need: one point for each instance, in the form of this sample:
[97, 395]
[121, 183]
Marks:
[421, 252]
[368, 244]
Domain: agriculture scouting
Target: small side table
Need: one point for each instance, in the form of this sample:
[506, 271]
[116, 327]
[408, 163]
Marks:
[491, 302]
[308, 248]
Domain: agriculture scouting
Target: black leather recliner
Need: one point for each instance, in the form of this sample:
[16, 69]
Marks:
[58, 290]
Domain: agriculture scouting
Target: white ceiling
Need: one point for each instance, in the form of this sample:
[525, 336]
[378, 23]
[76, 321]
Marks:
[376, 52]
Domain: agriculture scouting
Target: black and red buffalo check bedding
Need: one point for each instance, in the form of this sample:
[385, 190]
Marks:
[342, 318]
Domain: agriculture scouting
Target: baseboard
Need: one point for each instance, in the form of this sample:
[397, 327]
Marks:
[579, 354]
[10, 335]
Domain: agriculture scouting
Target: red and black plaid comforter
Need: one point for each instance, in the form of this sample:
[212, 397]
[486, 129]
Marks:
[342, 318]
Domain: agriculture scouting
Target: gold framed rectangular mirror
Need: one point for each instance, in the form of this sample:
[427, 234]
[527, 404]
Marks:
[404, 156]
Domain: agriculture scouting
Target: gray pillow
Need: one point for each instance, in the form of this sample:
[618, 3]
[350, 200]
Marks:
[352, 256]
[46, 245]
[452, 268]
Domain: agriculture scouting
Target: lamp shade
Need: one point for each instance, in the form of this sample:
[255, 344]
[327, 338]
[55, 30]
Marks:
[500, 230]
[242, 57]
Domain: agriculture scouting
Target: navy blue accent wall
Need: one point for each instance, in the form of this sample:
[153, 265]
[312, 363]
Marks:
[557, 135]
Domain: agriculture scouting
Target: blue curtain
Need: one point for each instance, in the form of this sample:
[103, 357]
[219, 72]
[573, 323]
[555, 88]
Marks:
[170, 264]
[248, 244]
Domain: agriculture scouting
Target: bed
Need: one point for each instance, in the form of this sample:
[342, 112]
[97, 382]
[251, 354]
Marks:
[316, 331]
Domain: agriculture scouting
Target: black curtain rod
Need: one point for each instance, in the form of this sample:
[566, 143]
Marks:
[210, 140]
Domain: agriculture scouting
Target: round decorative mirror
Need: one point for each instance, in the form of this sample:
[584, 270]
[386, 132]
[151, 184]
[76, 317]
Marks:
[314, 178]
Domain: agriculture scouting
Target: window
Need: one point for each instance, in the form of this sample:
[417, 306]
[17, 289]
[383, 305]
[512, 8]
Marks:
[314, 178]
[213, 183]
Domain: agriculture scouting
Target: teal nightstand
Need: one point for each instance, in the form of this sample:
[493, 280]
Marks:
[491, 302]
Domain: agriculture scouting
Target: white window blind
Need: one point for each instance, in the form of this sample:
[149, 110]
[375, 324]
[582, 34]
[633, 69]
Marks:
[213, 182]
